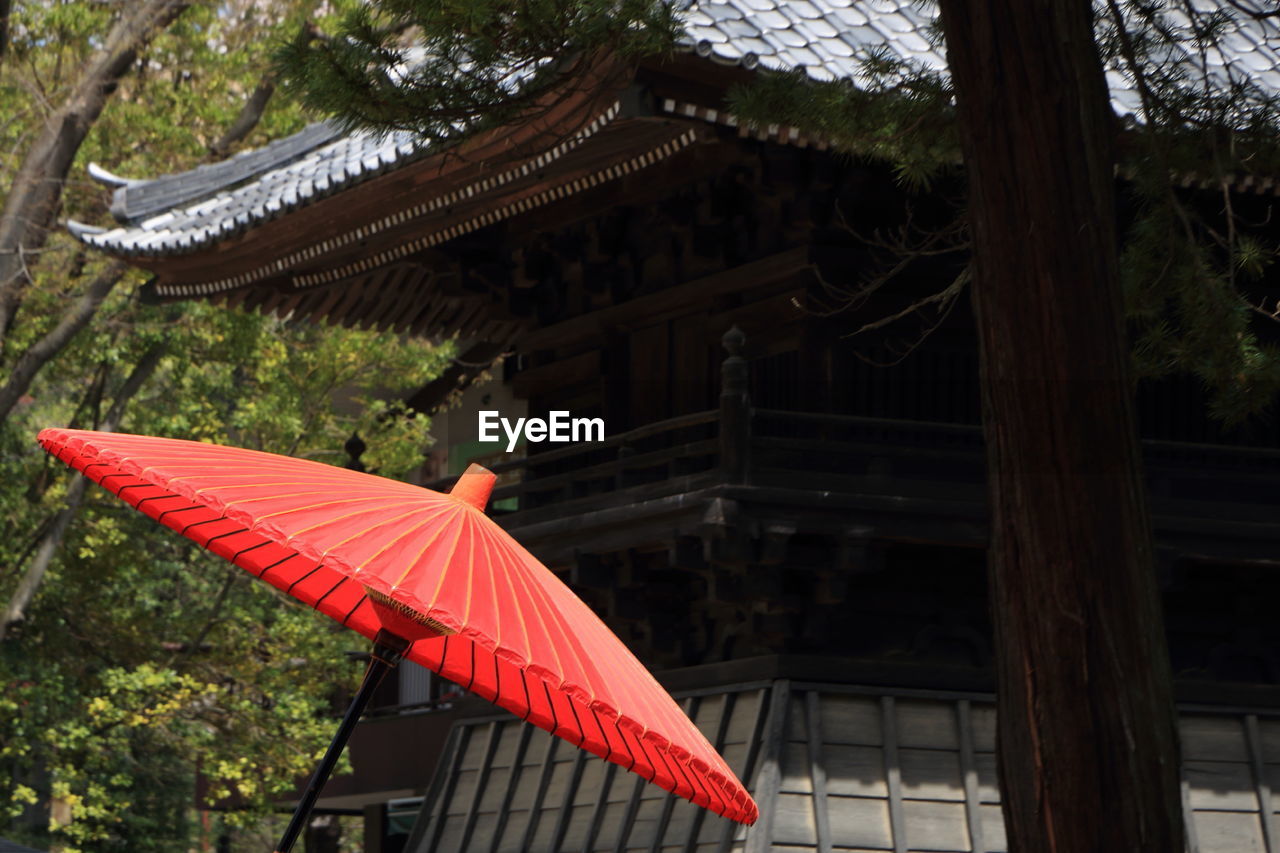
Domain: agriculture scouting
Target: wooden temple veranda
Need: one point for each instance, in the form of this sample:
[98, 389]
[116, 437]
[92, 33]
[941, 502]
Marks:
[788, 534]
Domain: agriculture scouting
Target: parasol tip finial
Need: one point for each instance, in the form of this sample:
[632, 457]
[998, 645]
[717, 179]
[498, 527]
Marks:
[474, 486]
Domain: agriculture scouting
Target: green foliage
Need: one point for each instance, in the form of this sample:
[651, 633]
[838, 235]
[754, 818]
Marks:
[144, 658]
[442, 67]
[141, 647]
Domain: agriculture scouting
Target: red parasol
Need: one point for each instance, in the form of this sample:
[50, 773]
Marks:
[427, 576]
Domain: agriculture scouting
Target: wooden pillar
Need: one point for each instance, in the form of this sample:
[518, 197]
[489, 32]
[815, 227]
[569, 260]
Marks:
[375, 825]
[735, 410]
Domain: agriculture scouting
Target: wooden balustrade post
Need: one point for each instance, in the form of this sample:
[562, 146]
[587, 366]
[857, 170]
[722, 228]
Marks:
[621, 479]
[735, 410]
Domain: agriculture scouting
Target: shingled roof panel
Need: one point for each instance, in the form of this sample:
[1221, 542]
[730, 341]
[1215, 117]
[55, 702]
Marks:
[833, 767]
[828, 38]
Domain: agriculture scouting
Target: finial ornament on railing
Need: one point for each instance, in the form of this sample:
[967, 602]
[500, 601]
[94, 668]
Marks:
[354, 447]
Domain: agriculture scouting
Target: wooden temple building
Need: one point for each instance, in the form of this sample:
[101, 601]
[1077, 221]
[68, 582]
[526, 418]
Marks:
[789, 533]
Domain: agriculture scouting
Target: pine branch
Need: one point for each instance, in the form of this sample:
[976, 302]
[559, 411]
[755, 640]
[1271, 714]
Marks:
[475, 63]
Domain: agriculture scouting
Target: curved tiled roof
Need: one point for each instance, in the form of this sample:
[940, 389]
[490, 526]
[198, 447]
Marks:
[827, 38]
[262, 194]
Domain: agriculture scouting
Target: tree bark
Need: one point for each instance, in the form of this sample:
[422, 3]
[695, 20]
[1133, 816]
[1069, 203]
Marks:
[16, 608]
[1087, 739]
[6, 10]
[31, 205]
[247, 120]
[76, 318]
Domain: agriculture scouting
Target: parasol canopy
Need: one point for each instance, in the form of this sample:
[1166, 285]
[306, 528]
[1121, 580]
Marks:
[380, 555]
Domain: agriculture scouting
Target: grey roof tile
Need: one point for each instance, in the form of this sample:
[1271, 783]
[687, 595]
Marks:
[711, 35]
[818, 30]
[827, 37]
[785, 37]
[801, 56]
[721, 11]
[835, 49]
[771, 18]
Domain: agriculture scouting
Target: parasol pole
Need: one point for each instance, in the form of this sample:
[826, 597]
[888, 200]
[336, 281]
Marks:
[387, 651]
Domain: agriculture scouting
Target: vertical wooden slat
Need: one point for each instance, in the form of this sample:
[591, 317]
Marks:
[517, 763]
[893, 773]
[482, 779]
[1189, 817]
[722, 728]
[426, 829]
[544, 776]
[769, 777]
[375, 825]
[969, 768]
[1262, 786]
[629, 818]
[817, 771]
[689, 706]
[753, 754]
[566, 803]
[597, 811]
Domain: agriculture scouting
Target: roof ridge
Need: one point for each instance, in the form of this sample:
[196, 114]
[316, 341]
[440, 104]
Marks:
[138, 199]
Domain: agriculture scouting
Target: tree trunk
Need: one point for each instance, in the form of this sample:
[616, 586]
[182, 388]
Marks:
[31, 205]
[16, 609]
[1087, 746]
[76, 317]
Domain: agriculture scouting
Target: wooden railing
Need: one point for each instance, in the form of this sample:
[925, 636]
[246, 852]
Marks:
[657, 451]
[738, 444]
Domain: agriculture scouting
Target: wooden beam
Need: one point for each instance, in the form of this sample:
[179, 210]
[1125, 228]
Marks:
[689, 706]
[492, 737]
[598, 810]
[566, 804]
[969, 769]
[629, 816]
[540, 792]
[818, 771]
[411, 292]
[425, 834]
[1262, 784]
[768, 779]
[717, 740]
[674, 300]
[517, 766]
[893, 773]
[387, 293]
